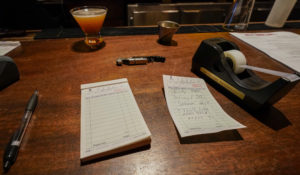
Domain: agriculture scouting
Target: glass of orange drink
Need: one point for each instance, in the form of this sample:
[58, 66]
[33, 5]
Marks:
[90, 20]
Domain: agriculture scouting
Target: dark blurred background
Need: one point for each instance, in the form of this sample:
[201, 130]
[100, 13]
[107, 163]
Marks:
[40, 14]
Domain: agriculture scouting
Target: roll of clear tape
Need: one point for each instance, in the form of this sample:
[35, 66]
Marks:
[237, 58]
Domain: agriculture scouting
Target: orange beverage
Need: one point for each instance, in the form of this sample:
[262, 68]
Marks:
[90, 20]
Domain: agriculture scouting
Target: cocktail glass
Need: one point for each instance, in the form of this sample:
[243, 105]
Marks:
[90, 20]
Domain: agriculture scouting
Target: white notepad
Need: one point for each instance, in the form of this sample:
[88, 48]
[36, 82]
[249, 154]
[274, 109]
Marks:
[193, 109]
[111, 121]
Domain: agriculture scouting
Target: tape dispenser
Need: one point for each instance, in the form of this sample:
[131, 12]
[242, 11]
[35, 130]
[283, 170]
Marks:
[222, 65]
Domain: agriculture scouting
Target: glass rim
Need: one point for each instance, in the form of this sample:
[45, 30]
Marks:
[174, 24]
[87, 7]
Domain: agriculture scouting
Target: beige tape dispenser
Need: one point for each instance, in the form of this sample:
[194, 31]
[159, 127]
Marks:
[224, 66]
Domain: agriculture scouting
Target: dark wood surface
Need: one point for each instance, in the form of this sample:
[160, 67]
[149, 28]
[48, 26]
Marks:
[269, 145]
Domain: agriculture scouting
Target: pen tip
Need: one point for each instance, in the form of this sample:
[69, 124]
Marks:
[36, 92]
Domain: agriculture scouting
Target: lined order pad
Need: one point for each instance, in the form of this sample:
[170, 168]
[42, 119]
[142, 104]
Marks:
[193, 109]
[111, 121]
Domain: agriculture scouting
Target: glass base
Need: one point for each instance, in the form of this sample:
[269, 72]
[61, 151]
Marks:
[93, 41]
[235, 27]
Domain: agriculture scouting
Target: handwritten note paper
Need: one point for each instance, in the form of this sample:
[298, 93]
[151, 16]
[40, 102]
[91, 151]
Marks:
[110, 119]
[281, 46]
[7, 46]
[193, 109]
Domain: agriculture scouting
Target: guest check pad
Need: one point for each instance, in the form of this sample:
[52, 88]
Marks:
[111, 121]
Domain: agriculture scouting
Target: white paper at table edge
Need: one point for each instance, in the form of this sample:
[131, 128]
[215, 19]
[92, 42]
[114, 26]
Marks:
[233, 33]
[10, 43]
[8, 46]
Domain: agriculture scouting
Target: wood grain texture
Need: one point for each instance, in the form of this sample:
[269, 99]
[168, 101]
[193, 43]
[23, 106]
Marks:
[52, 142]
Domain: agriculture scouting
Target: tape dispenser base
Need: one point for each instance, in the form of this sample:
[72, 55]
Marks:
[245, 88]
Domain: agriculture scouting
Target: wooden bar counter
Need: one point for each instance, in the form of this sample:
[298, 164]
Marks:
[57, 67]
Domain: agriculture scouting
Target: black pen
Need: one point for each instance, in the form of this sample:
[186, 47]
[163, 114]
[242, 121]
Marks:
[13, 146]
